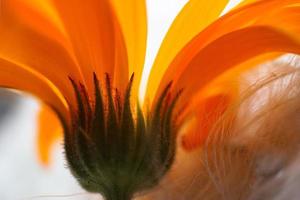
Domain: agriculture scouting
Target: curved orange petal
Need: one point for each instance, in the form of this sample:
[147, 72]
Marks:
[219, 85]
[20, 77]
[194, 17]
[49, 131]
[245, 2]
[96, 37]
[45, 56]
[90, 33]
[40, 16]
[17, 76]
[212, 101]
[238, 49]
[243, 17]
[199, 124]
[231, 50]
[133, 20]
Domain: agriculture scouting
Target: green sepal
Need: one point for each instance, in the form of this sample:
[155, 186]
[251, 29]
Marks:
[112, 151]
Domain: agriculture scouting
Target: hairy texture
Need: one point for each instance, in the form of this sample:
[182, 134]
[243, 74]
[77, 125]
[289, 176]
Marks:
[257, 138]
[251, 150]
[114, 152]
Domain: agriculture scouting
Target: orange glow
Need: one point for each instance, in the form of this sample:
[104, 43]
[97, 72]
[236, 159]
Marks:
[45, 43]
[50, 130]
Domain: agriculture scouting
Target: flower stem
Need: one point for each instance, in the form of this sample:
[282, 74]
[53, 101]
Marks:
[119, 195]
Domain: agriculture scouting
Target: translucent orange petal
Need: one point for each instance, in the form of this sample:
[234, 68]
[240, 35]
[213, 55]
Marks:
[237, 50]
[45, 56]
[16, 76]
[246, 2]
[207, 105]
[49, 131]
[246, 16]
[133, 20]
[97, 39]
[20, 77]
[194, 17]
[39, 16]
[230, 51]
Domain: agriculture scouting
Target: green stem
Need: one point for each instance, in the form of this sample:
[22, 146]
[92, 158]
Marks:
[118, 195]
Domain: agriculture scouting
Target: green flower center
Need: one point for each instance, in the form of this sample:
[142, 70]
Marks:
[112, 151]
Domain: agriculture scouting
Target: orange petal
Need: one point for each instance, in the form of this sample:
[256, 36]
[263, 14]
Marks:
[20, 77]
[45, 56]
[246, 2]
[194, 17]
[247, 16]
[96, 36]
[208, 105]
[264, 40]
[133, 20]
[40, 16]
[49, 131]
[222, 92]
[230, 51]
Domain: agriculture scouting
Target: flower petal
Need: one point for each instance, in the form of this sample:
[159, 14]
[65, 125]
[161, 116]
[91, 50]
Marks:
[262, 40]
[214, 99]
[20, 77]
[233, 49]
[49, 131]
[24, 46]
[246, 2]
[243, 17]
[133, 20]
[39, 16]
[96, 37]
[194, 17]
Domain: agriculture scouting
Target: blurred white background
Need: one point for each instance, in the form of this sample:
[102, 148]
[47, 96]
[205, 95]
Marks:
[22, 177]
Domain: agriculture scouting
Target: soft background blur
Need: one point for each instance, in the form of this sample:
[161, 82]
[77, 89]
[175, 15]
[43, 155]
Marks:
[22, 177]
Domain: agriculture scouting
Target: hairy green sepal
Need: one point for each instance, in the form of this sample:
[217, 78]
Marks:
[117, 153]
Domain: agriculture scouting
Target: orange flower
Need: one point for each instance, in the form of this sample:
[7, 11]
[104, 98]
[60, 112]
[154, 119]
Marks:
[59, 51]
